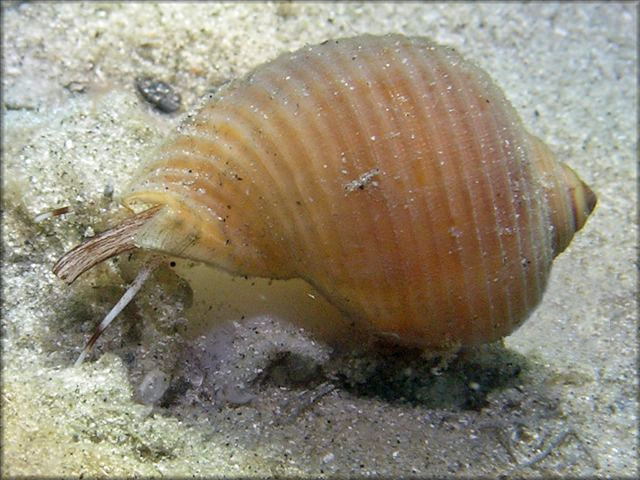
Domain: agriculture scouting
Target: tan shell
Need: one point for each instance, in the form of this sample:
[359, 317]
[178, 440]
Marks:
[388, 172]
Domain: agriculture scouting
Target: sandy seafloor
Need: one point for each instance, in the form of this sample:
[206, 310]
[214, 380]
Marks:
[559, 397]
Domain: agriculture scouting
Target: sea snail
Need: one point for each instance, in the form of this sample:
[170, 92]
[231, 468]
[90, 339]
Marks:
[386, 171]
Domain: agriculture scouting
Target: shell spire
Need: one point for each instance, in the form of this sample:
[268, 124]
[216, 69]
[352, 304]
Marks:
[569, 199]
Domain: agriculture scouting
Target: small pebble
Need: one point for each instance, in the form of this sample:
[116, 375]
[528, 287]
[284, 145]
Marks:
[76, 87]
[108, 191]
[153, 386]
[159, 94]
[328, 458]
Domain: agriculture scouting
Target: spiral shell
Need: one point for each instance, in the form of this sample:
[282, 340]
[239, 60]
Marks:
[388, 172]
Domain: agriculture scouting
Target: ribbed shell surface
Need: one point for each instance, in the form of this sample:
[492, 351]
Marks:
[388, 172]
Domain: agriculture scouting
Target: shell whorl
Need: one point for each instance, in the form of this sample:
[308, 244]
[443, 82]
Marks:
[388, 172]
